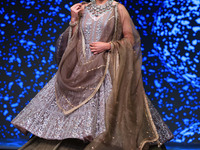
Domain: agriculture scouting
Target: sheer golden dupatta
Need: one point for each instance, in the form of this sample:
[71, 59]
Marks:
[129, 124]
[78, 79]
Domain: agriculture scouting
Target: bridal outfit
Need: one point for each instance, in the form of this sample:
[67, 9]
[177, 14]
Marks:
[95, 101]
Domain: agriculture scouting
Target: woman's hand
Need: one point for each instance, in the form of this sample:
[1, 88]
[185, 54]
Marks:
[75, 9]
[99, 47]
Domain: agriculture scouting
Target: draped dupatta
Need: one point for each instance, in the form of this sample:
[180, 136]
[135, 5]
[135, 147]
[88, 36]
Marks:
[129, 124]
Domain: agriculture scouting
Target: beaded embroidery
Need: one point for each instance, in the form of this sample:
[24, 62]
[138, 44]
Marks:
[97, 10]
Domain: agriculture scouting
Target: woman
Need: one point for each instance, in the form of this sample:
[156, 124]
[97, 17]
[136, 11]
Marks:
[96, 100]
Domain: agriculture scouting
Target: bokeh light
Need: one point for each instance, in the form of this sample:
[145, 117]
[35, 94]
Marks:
[169, 29]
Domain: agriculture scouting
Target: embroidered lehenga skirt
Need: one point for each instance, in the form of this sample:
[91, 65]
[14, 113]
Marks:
[44, 119]
[52, 129]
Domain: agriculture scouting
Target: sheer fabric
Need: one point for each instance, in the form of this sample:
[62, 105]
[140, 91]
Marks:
[77, 86]
[129, 124]
[81, 73]
[43, 118]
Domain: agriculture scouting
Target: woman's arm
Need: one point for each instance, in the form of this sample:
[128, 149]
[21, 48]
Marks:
[75, 9]
[76, 13]
[127, 24]
[99, 47]
[127, 29]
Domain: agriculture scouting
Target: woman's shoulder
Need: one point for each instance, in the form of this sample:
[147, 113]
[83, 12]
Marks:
[119, 5]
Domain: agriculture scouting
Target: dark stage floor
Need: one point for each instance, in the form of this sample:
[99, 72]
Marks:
[13, 144]
[168, 148]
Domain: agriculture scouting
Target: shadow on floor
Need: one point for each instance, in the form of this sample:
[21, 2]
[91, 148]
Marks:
[14, 144]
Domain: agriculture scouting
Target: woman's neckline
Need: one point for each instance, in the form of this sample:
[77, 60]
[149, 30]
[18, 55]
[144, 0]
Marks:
[101, 4]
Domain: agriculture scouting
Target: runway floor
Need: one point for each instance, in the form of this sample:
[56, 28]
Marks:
[14, 144]
[168, 148]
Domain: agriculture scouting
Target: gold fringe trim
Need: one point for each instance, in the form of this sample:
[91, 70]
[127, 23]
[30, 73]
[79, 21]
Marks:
[57, 98]
[82, 87]
[96, 68]
[55, 148]
[65, 99]
[92, 95]
[116, 21]
[70, 34]
[69, 102]
[83, 43]
[88, 62]
[110, 18]
[153, 126]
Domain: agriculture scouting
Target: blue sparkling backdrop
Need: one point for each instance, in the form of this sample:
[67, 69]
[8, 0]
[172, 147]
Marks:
[170, 32]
